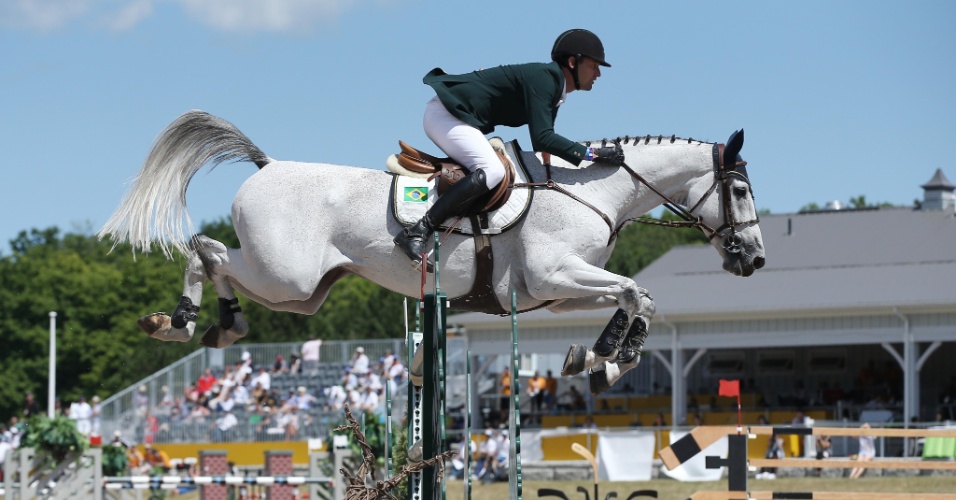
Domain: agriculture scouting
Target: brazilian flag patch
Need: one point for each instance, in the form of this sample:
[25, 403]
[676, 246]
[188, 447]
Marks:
[416, 194]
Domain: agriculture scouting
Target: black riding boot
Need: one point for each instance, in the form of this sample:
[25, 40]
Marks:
[413, 239]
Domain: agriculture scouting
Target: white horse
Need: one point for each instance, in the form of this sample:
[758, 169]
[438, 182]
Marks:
[303, 226]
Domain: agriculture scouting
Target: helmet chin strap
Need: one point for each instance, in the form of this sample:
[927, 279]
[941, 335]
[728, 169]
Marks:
[574, 71]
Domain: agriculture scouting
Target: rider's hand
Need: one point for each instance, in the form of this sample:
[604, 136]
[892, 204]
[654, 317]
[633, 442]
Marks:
[609, 155]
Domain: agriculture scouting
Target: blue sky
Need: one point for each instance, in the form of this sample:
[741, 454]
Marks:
[838, 99]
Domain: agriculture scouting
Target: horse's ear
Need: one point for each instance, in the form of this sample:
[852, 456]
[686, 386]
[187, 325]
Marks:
[734, 144]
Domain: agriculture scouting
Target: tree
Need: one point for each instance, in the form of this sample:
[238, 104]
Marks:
[640, 244]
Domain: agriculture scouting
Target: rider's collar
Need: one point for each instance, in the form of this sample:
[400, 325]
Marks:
[564, 95]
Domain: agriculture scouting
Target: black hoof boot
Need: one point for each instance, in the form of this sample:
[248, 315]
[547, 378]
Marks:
[412, 241]
[612, 336]
[227, 312]
[597, 381]
[633, 345]
[184, 313]
[574, 362]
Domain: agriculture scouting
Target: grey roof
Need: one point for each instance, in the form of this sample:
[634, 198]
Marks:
[939, 181]
[840, 260]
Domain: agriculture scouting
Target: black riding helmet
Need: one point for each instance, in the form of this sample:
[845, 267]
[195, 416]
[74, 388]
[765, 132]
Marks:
[577, 43]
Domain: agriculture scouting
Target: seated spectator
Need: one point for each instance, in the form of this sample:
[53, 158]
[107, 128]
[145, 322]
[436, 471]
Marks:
[336, 396]
[303, 400]
[259, 393]
[279, 365]
[263, 379]
[225, 427]
[396, 372]
[205, 382]
[360, 362]
[240, 395]
[295, 364]
[223, 401]
[191, 393]
[375, 383]
[349, 379]
[368, 399]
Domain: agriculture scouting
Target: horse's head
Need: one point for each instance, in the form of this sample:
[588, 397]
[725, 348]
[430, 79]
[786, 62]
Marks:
[727, 210]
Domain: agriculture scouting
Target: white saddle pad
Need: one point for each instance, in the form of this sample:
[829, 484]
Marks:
[411, 198]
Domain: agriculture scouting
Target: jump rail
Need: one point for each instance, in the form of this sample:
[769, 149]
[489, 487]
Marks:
[816, 495]
[738, 464]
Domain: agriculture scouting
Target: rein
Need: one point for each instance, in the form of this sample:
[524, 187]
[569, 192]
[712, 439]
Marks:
[721, 177]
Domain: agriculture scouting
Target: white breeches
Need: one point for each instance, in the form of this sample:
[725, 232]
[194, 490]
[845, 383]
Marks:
[462, 142]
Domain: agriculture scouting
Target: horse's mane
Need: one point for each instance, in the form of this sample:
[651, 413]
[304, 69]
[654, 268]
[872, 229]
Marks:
[646, 139]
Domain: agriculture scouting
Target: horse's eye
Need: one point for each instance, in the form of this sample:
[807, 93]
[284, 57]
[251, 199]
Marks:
[740, 191]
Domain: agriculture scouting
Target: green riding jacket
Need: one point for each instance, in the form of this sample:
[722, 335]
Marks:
[513, 95]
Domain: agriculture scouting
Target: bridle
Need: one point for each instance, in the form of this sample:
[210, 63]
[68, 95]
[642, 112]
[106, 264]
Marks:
[732, 240]
[722, 177]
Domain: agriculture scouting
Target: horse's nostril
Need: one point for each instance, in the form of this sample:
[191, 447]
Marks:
[759, 262]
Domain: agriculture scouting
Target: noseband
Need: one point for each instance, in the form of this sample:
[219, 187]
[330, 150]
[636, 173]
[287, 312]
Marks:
[722, 177]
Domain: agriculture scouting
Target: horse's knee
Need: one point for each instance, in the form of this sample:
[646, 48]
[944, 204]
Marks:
[639, 302]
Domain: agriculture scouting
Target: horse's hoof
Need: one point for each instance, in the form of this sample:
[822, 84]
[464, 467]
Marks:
[217, 338]
[597, 381]
[155, 323]
[574, 363]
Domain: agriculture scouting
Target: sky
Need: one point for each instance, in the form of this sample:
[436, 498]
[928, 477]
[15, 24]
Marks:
[838, 99]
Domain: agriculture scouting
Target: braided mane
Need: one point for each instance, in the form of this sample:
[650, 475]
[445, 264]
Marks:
[646, 139]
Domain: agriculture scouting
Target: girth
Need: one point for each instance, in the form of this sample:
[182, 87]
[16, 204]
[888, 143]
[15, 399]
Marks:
[449, 172]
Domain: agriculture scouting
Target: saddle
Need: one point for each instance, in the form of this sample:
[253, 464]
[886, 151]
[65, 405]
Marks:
[449, 172]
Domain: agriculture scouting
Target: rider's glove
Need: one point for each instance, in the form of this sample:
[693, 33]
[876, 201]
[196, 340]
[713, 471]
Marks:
[609, 155]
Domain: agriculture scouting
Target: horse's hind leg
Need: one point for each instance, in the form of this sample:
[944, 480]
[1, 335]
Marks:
[232, 324]
[182, 324]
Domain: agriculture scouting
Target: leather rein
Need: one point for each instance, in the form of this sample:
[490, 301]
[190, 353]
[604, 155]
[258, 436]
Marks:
[721, 177]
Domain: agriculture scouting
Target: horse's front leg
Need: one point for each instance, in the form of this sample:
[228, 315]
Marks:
[182, 324]
[618, 348]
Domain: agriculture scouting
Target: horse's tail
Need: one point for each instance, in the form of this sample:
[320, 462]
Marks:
[154, 208]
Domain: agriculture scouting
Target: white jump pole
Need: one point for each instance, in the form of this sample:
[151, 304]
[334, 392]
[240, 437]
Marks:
[51, 399]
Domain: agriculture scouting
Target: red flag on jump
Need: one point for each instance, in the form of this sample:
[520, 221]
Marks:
[729, 388]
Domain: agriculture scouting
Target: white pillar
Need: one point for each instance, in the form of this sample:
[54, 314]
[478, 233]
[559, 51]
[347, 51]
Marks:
[51, 400]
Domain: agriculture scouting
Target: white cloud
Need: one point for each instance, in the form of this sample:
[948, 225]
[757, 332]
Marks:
[297, 16]
[129, 15]
[42, 15]
[275, 16]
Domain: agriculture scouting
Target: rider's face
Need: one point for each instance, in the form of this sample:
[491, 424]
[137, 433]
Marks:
[588, 71]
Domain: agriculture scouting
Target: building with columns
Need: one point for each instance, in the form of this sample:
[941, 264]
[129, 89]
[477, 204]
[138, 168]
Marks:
[858, 301]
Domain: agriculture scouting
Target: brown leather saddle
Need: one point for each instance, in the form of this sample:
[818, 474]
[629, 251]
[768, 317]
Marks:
[449, 172]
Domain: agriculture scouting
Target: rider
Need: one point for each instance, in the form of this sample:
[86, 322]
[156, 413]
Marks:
[471, 105]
